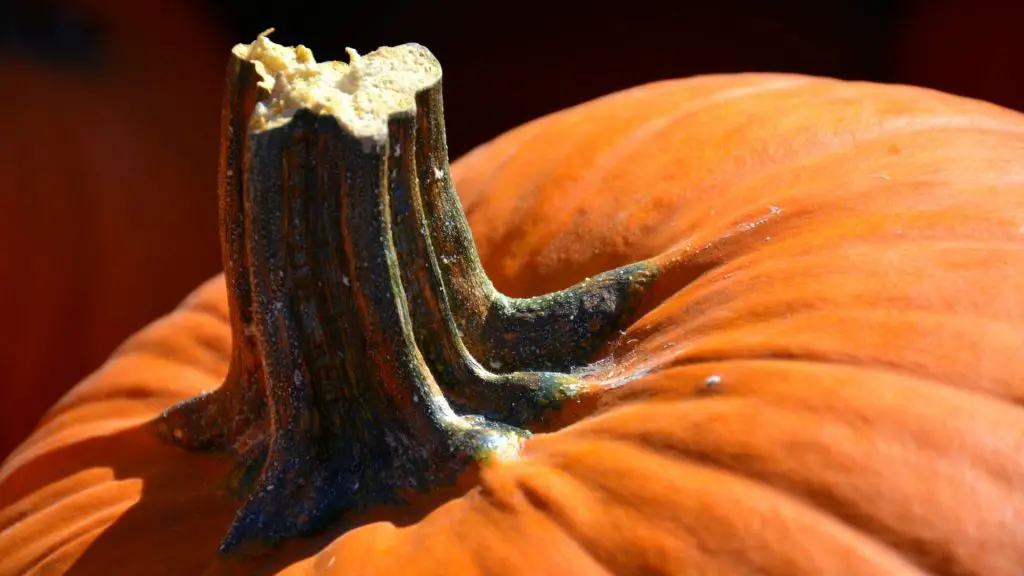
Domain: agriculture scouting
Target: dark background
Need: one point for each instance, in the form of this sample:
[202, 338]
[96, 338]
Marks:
[108, 151]
[573, 51]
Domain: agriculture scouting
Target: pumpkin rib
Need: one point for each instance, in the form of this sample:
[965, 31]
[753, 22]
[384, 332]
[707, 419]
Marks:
[730, 252]
[141, 392]
[707, 291]
[89, 421]
[88, 404]
[54, 494]
[58, 435]
[968, 261]
[572, 547]
[897, 128]
[818, 506]
[141, 483]
[554, 162]
[550, 511]
[764, 315]
[202, 305]
[97, 517]
[912, 232]
[820, 493]
[518, 139]
[536, 495]
[624, 144]
[748, 182]
[930, 119]
[527, 197]
[120, 387]
[724, 247]
[56, 560]
[206, 338]
[513, 141]
[710, 348]
[850, 401]
[662, 385]
[133, 392]
[601, 464]
[60, 560]
[158, 353]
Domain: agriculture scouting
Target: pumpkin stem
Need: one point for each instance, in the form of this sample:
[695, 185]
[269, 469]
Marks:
[459, 316]
[358, 301]
[558, 331]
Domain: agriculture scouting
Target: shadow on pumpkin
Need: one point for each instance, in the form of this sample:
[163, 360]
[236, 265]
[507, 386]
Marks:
[157, 509]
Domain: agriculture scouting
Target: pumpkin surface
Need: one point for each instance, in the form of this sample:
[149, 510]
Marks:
[828, 386]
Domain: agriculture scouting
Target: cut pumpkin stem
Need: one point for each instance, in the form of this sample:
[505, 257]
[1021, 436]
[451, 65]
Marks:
[359, 306]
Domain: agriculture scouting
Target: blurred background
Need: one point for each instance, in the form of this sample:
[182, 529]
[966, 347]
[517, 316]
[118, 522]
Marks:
[110, 118]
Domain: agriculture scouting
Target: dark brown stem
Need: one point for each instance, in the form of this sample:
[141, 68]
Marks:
[358, 309]
[558, 331]
[518, 398]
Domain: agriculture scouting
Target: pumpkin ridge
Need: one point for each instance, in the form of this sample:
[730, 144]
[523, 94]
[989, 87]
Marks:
[820, 504]
[603, 160]
[526, 142]
[750, 180]
[646, 92]
[527, 198]
[683, 254]
[777, 497]
[555, 235]
[207, 310]
[966, 257]
[702, 321]
[839, 402]
[595, 566]
[561, 520]
[864, 358]
[924, 231]
[59, 555]
[847, 146]
[94, 522]
[924, 552]
[157, 352]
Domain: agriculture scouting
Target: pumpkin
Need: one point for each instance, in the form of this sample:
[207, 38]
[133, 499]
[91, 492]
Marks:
[108, 165]
[733, 324]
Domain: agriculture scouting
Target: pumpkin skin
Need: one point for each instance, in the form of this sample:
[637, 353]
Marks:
[829, 387]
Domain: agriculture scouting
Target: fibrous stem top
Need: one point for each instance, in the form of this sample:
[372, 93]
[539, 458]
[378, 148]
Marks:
[362, 94]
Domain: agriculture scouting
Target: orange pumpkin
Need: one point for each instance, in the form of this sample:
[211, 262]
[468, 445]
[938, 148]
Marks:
[818, 377]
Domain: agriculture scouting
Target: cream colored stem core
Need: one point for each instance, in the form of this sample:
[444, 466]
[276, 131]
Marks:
[361, 94]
